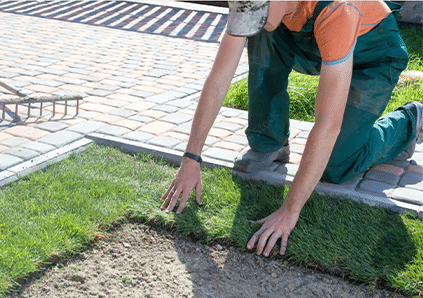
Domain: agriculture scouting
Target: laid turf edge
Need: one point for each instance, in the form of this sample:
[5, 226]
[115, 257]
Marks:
[102, 185]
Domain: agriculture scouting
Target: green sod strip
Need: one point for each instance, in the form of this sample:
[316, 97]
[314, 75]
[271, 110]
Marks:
[60, 209]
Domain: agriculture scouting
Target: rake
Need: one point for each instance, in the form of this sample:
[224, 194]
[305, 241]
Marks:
[23, 98]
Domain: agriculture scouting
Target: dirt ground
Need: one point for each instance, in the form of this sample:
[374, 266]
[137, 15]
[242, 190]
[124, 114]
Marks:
[141, 261]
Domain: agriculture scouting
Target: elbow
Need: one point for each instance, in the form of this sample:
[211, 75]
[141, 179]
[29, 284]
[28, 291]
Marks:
[330, 127]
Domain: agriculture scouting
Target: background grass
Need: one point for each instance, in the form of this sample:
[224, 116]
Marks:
[58, 210]
[302, 89]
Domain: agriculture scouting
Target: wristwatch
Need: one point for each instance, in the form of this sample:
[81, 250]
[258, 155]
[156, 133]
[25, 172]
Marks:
[193, 156]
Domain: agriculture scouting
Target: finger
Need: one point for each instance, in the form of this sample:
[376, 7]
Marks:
[183, 202]
[261, 221]
[270, 244]
[198, 193]
[284, 243]
[173, 201]
[253, 240]
[167, 199]
[168, 191]
[263, 239]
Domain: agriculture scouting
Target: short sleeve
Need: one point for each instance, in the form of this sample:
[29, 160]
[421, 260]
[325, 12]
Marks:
[336, 30]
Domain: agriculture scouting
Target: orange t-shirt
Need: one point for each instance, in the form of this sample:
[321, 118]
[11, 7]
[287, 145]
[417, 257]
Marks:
[338, 25]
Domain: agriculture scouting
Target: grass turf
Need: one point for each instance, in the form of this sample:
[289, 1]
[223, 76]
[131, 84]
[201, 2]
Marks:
[302, 89]
[60, 209]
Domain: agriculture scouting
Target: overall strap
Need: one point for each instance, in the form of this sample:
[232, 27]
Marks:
[309, 26]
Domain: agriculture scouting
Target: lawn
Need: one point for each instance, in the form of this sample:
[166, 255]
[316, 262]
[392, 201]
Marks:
[302, 89]
[59, 210]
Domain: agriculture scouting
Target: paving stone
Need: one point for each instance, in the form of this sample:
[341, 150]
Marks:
[49, 83]
[377, 187]
[157, 128]
[108, 87]
[52, 126]
[418, 158]
[221, 154]
[7, 177]
[381, 176]
[13, 141]
[8, 75]
[389, 169]
[237, 139]
[183, 146]
[87, 127]
[142, 119]
[112, 130]
[412, 196]
[99, 92]
[177, 118]
[160, 98]
[53, 71]
[303, 134]
[228, 126]
[142, 94]
[88, 115]
[412, 180]
[286, 168]
[7, 161]
[228, 112]
[415, 169]
[164, 142]
[22, 153]
[122, 113]
[38, 147]
[138, 136]
[61, 138]
[115, 103]
[166, 108]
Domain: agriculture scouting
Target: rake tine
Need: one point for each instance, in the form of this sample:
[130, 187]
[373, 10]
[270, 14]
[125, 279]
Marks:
[29, 110]
[3, 115]
[66, 107]
[77, 107]
[16, 111]
[41, 109]
[54, 108]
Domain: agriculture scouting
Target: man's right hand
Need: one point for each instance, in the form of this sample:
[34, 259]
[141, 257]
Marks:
[187, 178]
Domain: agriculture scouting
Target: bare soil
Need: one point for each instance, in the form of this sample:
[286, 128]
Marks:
[141, 261]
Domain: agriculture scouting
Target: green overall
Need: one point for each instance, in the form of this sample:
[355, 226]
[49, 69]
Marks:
[365, 139]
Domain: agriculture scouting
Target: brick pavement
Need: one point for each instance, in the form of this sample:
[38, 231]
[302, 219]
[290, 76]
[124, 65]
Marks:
[140, 92]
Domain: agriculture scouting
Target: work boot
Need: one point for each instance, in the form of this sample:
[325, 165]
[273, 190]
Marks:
[416, 109]
[254, 161]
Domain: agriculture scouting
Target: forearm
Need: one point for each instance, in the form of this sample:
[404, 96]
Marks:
[316, 155]
[215, 90]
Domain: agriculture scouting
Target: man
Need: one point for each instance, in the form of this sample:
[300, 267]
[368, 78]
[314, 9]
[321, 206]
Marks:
[356, 49]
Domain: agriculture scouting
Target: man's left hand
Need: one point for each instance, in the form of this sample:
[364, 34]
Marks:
[277, 225]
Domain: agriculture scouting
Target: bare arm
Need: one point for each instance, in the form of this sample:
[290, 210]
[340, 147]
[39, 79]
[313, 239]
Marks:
[211, 99]
[330, 104]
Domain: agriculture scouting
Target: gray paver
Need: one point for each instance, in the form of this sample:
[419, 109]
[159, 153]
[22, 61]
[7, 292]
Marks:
[183, 146]
[228, 112]
[61, 138]
[6, 177]
[7, 161]
[166, 108]
[138, 136]
[222, 154]
[52, 126]
[99, 92]
[412, 180]
[49, 83]
[160, 98]
[399, 163]
[409, 195]
[87, 127]
[183, 128]
[228, 126]
[22, 153]
[210, 141]
[382, 176]
[142, 119]
[142, 94]
[380, 188]
[111, 130]
[164, 142]
[296, 148]
[89, 115]
[286, 168]
[14, 142]
[176, 118]
[39, 147]
[122, 113]
[237, 140]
